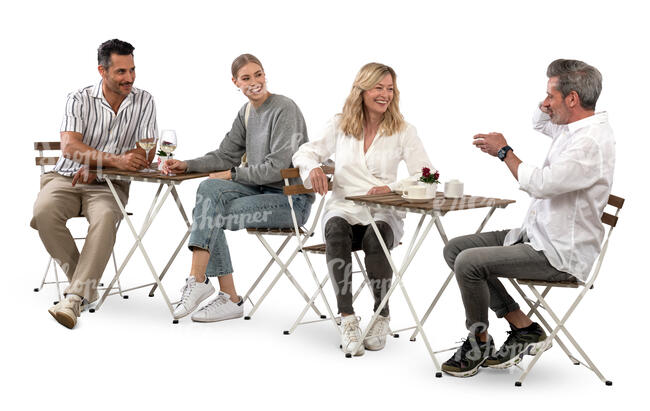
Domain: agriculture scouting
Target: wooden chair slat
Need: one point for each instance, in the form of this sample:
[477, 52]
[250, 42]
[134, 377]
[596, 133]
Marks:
[300, 189]
[290, 173]
[616, 201]
[47, 145]
[566, 284]
[609, 219]
[46, 161]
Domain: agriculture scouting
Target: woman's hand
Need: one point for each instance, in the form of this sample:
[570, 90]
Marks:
[318, 181]
[174, 166]
[379, 190]
[223, 175]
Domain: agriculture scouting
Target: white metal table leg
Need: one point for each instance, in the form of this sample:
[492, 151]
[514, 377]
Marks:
[138, 240]
[442, 289]
[398, 281]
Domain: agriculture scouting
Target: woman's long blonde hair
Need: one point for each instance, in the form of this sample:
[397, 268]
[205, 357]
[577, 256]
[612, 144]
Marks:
[352, 118]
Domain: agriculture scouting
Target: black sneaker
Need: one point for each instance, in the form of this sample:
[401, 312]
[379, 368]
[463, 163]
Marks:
[469, 357]
[520, 342]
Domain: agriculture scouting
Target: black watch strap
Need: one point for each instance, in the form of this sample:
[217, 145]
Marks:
[503, 152]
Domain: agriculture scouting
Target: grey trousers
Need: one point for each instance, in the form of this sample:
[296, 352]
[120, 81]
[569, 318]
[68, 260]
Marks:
[341, 239]
[479, 259]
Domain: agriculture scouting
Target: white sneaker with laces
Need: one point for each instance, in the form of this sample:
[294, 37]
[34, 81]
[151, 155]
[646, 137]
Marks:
[193, 294]
[219, 309]
[351, 335]
[376, 339]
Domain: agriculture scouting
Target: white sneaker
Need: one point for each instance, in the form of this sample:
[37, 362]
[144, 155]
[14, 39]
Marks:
[219, 309]
[376, 339]
[351, 335]
[193, 294]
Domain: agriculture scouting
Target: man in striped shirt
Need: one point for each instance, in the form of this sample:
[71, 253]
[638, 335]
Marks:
[99, 129]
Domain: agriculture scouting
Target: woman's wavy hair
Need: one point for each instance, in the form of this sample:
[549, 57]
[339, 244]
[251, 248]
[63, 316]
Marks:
[352, 118]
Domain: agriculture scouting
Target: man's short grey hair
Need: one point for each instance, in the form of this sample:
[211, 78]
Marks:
[578, 76]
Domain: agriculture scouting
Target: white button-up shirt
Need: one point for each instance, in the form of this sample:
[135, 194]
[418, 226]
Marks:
[357, 172]
[569, 193]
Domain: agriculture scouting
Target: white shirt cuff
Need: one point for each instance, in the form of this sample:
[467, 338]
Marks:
[524, 174]
[305, 175]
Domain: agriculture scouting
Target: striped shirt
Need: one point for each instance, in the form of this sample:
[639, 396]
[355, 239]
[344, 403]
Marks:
[87, 112]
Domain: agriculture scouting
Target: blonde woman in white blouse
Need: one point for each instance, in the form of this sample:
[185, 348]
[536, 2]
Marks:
[368, 141]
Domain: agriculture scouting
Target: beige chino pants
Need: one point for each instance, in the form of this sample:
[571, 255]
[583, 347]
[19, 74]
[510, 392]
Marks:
[57, 202]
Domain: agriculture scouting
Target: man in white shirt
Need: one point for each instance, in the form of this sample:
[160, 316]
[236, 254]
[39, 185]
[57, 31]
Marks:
[562, 232]
[100, 128]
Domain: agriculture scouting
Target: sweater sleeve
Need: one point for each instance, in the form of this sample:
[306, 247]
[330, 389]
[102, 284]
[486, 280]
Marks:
[228, 154]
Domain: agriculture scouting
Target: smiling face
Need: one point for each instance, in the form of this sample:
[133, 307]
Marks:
[251, 81]
[377, 99]
[556, 106]
[118, 78]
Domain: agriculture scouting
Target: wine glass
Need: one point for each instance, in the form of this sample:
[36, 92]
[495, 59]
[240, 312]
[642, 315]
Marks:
[147, 139]
[168, 144]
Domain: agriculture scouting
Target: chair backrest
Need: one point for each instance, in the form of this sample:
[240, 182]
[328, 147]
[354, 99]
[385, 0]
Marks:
[40, 159]
[616, 202]
[295, 189]
[611, 221]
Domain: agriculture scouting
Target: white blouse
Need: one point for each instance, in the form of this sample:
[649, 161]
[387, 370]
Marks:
[357, 172]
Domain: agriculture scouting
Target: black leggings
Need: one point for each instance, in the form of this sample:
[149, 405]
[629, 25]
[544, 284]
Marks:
[341, 239]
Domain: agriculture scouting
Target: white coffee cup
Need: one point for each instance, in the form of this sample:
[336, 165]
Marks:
[415, 192]
[454, 189]
[404, 184]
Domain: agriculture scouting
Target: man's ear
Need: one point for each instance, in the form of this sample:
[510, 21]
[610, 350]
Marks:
[573, 99]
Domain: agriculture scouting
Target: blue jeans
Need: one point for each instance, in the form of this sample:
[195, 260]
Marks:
[227, 205]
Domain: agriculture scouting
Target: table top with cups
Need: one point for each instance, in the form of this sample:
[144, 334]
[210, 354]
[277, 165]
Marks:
[439, 204]
[157, 177]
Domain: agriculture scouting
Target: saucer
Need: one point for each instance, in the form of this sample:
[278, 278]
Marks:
[417, 200]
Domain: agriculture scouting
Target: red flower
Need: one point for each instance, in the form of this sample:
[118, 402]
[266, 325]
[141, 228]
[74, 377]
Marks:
[426, 172]
[436, 175]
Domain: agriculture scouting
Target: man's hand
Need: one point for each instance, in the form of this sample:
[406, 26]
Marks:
[223, 175]
[318, 181]
[132, 160]
[379, 190]
[83, 176]
[490, 143]
[174, 166]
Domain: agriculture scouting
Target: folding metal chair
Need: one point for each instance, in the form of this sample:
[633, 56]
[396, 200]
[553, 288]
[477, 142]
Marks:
[43, 161]
[541, 302]
[300, 233]
[321, 249]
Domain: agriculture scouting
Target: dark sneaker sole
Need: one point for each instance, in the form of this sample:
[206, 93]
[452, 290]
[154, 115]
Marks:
[531, 349]
[464, 374]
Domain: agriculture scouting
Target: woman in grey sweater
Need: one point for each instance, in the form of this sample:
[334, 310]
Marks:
[269, 129]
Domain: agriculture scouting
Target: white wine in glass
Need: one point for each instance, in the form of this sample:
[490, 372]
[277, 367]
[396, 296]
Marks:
[147, 139]
[168, 144]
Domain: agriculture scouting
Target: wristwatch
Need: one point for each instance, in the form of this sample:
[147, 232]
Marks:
[502, 153]
[233, 172]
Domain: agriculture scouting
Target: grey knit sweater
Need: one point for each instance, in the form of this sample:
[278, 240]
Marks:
[275, 131]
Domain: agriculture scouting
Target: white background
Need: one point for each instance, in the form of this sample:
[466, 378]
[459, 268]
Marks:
[462, 69]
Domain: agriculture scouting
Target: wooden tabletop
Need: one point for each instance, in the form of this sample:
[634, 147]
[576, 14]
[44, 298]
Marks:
[440, 203]
[115, 174]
